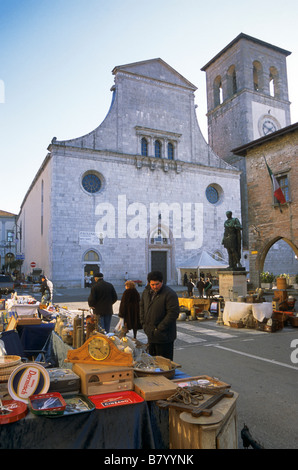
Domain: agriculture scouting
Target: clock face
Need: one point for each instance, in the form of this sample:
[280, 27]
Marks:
[268, 127]
[268, 124]
[99, 349]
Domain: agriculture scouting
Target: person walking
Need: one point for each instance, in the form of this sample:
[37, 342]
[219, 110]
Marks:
[159, 310]
[200, 287]
[101, 299]
[129, 308]
[46, 290]
[190, 288]
[208, 287]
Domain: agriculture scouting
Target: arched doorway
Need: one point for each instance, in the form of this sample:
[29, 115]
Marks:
[281, 256]
[91, 266]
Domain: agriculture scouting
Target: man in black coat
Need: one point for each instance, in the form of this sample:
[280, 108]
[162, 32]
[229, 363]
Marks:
[101, 299]
[159, 310]
[200, 287]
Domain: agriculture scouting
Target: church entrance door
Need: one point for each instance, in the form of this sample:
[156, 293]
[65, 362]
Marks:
[159, 263]
[89, 271]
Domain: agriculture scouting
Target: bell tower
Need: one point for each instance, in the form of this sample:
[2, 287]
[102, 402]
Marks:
[247, 98]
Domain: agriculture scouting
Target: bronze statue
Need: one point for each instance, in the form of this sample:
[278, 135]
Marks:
[232, 240]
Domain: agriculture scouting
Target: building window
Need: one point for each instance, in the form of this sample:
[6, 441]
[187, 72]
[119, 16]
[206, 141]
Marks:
[217, 87]
[273, 83]
[91, 182]
[144, 147]
[170, 151]
[10, 236]
[283, 182]
[157, 146]
[212, 194]
[257, 76]
[91, 256]
[231, 81]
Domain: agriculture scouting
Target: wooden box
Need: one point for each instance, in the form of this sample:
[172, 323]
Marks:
[294, 321]
[97, 379]
[23, 321]
[155, 387]
[217, 431]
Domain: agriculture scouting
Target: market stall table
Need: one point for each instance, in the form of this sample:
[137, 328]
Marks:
[190, 304]
[147, 426]
[241, 311]
[26, 310]
[137, 426]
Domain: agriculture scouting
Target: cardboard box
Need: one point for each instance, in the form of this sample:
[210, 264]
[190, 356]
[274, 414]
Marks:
[154, 387]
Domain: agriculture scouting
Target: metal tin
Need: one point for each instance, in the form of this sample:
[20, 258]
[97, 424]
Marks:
[47, 404]
[28, 379]
[12, 411]
[76, 404]
[63, 381]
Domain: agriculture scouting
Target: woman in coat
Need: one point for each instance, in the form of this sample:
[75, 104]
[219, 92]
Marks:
[129, 308]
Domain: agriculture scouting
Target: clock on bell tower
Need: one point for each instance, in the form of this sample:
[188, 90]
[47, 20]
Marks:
[247, 94]
[247, 98]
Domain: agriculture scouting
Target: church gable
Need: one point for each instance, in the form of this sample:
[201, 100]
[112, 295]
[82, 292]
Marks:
[155, 69]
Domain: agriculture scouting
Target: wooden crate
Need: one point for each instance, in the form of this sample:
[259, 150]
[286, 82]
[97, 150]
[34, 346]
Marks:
[218, 431]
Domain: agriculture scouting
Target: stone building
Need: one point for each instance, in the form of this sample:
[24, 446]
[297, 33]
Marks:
[142, 191]
[270, 222]
[8, 239]
[247, 98]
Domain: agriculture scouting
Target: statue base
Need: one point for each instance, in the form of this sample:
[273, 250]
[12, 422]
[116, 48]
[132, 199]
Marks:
[232, 283]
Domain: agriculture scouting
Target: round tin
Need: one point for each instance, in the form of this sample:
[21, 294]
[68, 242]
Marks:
[28, 379]
[12, 411]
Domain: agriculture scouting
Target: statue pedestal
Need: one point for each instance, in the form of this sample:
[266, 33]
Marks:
[232, 284]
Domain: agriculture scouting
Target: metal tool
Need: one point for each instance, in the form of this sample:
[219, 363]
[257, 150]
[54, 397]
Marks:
[196, 411]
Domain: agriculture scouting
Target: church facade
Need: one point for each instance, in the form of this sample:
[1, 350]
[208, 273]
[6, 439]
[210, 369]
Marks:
[142, 191]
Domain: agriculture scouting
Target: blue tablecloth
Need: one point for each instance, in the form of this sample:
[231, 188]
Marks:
[138, 426]
[35, 337]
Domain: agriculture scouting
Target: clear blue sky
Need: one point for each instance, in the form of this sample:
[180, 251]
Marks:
[57, 56]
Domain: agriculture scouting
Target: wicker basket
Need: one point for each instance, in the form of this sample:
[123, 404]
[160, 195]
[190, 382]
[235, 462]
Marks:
[9, 361]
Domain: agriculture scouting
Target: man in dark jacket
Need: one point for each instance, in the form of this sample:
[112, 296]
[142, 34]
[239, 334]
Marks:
[101, 299]
[159, 310]
[200, 287]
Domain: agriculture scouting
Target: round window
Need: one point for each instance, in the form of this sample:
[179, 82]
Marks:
[212, 194]
[91, 182]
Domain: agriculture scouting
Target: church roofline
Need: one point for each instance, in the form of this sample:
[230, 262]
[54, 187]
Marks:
[125, 67]
[248, 38]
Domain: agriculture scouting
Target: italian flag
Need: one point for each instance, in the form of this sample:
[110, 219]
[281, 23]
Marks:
[277, 191]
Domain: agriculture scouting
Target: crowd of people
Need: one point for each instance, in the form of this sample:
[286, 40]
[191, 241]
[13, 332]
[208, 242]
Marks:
[155, 311]
[204, 285]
